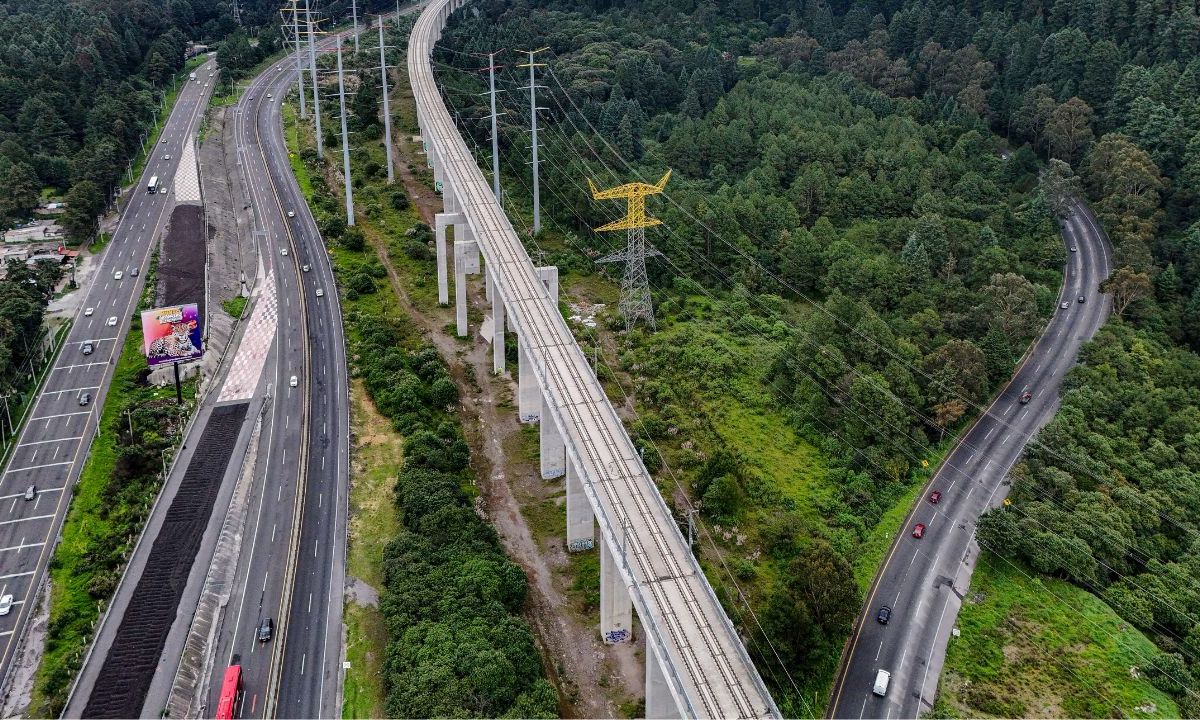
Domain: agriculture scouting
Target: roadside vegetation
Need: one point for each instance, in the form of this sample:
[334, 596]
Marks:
[857, 259]
[140, 427]
[448, 638]
[849, 277]
[1021, 656]
[234, 306]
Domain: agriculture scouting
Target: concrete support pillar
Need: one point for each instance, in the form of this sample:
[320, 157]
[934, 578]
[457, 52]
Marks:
[441, 221]
[498, 359]
[466, 262]
[529, 395]
[616, 607]
[549, 277]
[581, 524]
[554, 451]
[660, 705]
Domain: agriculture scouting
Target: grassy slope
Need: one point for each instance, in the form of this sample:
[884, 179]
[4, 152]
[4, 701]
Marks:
[72, 609]
[1040, 647]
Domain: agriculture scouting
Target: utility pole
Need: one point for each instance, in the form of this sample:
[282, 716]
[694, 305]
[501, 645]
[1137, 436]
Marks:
[299, 56]
[354, 15]
[533, 110]
[635, 300]
[387, 112]
[491, 68]
[345, 136]
[312, 69]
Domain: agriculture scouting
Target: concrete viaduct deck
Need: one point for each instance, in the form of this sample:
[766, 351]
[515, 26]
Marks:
[696, 665]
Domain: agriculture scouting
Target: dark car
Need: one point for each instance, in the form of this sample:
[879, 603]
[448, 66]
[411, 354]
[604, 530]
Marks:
[919, 531]
[935, 497]
[1026, 397]
[1082, 299]
[885, 614]
[1074, 249]
[265, 630]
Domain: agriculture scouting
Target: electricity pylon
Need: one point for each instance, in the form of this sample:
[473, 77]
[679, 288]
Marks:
[635, 300]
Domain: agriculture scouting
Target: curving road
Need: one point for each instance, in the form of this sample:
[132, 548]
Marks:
[924, 580]
[291, 568]
[54, 443]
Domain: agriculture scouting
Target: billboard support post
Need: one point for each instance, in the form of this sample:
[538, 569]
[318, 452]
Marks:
[178, 385]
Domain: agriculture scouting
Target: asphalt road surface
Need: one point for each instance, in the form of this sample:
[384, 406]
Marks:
[923, 580]
[54, 443]
[303, 456]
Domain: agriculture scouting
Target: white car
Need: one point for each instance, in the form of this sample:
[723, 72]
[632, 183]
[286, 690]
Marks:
[167, 157]
[163, 141]
[291, 213]
[320, 292]
[88, 312]
[6, 603]
[293, 382]
[111, 321]
[268, 96]
[118, 275]
[283, 252]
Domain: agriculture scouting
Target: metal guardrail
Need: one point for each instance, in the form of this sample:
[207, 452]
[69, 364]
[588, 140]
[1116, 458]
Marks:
[709, 672]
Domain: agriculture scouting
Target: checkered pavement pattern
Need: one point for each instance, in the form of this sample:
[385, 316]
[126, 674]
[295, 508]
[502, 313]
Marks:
[251, 356]
[187, 178]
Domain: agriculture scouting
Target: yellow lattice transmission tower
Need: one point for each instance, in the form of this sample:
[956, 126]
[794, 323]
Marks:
[635, 301]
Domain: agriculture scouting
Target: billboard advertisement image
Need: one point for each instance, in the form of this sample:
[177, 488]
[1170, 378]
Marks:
[171, 334]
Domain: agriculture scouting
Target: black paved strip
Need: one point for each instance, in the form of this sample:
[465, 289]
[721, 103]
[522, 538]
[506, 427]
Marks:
[121, 686]
[181, 265]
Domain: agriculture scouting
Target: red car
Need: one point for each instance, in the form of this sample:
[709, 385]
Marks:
[935, 497]
[919, 531]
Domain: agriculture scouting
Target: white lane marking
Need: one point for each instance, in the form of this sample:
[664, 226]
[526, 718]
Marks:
[72, 367]
[45, 442]
[39, 467]
[990, 433]
[18, 520]
[273, 532]
[303, 658]
[16, 575]
[70, 390]
[22, 546]
[879, 650]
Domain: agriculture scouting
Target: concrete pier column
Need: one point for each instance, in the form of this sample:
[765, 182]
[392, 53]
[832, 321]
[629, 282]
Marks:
[616, 607]
[440, 222]
[529, 395]
[548, 274]
[660, 705]
[554, 450]
[581, 524]
[466, 262]
[498, 359]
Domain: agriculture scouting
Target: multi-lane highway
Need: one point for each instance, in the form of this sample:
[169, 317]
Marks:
[923, 580]
[292, 561]
[54, 443]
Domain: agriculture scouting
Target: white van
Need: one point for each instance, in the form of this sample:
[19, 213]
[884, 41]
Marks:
[882, 678]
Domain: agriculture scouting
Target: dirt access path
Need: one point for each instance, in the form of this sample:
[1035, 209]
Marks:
[594, 680]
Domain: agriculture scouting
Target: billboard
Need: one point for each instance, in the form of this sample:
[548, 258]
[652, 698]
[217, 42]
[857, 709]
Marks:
[172, 334]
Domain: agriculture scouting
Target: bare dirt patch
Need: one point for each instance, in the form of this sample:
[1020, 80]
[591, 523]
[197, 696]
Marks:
[595, 680]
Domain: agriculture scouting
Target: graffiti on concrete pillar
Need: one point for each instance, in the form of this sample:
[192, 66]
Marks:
[613, 637]
[581, 545]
